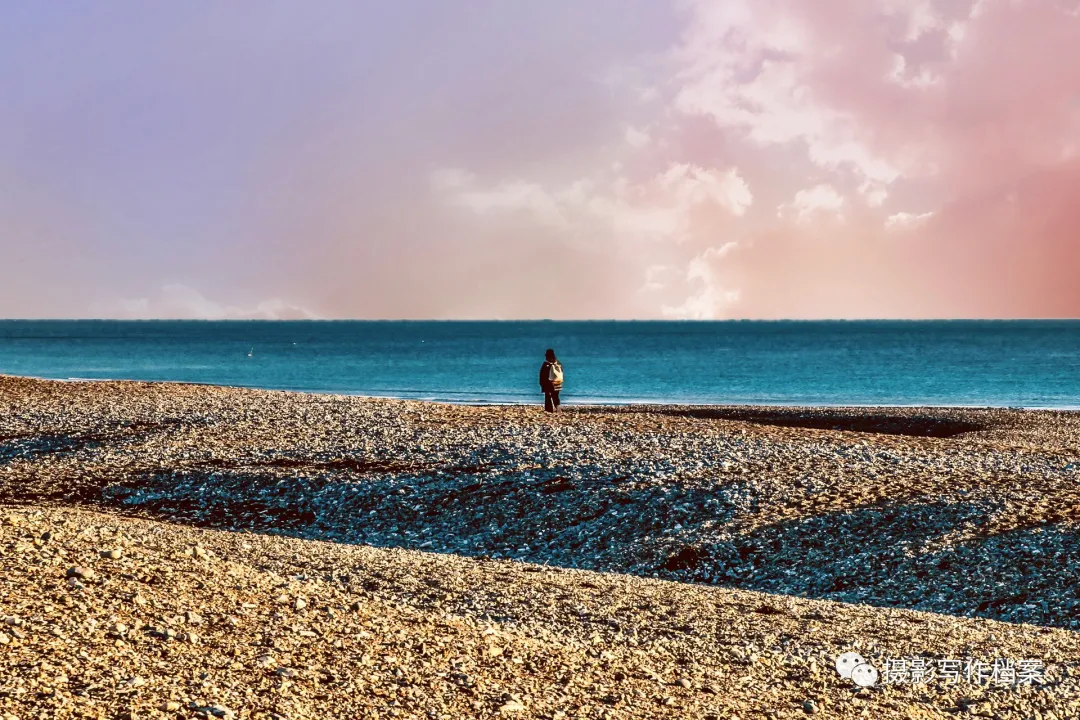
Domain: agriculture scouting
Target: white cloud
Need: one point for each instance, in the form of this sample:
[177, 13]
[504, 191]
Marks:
[693, 185]
[658, 209]
[709, 304]
[180, 302]
[918, 16]
[902, 221]
[701, 267]
[657, 277]
[875, 194]
[512, 195]
[902, 77]
[712, 299]
[811, 203]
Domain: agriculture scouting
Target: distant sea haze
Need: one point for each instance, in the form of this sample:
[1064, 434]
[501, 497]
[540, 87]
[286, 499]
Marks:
[1023, 363]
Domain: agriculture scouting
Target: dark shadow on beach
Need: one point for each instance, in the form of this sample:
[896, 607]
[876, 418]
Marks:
[933, 556]
[922, 553]
[896, 555]
[919, 424]
[29, 445]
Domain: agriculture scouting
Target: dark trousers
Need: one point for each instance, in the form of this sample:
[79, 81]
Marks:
[551, 400]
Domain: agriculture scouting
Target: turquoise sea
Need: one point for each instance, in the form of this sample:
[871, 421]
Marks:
[979, 363]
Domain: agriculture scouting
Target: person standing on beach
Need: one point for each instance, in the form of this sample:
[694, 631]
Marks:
[551, 380]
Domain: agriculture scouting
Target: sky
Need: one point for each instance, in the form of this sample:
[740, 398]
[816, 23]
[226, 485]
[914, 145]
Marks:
[465, 159]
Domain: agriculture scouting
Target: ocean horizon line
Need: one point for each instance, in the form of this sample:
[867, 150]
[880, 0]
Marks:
[673, 321]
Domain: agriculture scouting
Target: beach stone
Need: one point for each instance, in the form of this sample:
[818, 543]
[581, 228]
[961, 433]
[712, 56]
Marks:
[112, 554]
[81, 573]
[511, 706]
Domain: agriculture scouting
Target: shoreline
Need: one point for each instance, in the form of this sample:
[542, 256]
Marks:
[601, 402]
[616, 552]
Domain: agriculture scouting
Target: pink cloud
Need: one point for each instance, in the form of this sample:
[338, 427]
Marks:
[863, 158]
[955, 121]
[859, 158]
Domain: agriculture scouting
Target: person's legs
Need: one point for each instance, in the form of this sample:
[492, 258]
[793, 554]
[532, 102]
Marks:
[555, 401]
[549, 404]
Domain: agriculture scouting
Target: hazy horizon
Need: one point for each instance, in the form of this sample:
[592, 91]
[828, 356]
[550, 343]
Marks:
[543, 320]
[611, 160]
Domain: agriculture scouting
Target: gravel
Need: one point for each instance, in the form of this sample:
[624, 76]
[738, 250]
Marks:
[192, 551]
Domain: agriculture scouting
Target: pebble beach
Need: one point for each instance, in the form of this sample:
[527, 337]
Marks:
[183, 551]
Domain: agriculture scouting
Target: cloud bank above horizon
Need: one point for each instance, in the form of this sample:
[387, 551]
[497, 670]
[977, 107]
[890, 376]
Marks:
[698, 160]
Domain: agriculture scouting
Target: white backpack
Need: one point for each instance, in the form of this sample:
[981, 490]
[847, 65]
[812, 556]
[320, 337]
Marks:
[555, 374]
